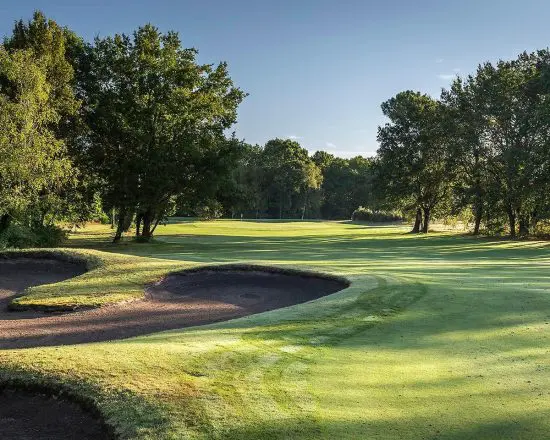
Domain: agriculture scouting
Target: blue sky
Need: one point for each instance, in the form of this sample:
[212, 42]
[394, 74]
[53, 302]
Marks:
[318, 70]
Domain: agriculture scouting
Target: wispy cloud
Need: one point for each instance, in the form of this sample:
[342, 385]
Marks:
[330, 145]
[439, 60]
[446, 76]
[293, 137]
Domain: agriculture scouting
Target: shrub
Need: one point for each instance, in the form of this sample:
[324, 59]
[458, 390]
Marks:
[19, 236]
[363, 214]
[211, 210]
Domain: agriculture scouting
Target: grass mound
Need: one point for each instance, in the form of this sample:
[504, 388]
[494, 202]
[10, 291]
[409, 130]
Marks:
[109, 278]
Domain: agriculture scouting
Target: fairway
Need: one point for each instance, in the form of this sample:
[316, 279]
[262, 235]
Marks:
[438, 337]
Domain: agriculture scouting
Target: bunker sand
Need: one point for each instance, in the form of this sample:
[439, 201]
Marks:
[179, 300]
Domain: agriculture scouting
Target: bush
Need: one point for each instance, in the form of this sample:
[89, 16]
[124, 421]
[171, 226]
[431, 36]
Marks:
[211, 210]
[362, 214]
[19, 236]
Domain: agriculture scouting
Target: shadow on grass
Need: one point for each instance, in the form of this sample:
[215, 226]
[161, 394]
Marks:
[499, 429]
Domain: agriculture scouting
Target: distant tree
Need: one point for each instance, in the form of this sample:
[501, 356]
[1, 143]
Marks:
[288, 175]
[157, 122]
[322, 159]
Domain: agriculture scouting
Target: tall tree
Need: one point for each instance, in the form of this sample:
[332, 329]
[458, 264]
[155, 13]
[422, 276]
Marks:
[513, 132]
[289, 174]
[157, 121]
[466, 126]
[56, 50]
[412, 167]
[33, 160]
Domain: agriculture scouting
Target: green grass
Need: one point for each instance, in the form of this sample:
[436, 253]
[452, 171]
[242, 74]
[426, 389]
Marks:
[438, 337]
[110, 278]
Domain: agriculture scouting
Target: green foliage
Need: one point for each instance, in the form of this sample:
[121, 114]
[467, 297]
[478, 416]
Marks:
[20, 236]
[288, 176]
[362, 214]
[33, 161]
[210, 210]
[157, 121]
[412, 171]
[347, 184]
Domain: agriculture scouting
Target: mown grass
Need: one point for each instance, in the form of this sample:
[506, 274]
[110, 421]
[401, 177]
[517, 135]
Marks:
[438, 337]
[110, 278]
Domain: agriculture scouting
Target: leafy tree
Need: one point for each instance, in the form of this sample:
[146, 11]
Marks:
[33, 162]
[412, 167]
[56, 50]
[241, 192]
[157, 121]
[512, 134]
[288, 175]
[466, 125]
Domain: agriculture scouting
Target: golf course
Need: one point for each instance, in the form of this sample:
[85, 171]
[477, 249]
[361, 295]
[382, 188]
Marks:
[436, 337]
[253, 220]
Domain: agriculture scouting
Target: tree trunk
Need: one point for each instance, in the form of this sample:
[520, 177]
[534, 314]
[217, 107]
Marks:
[113, 218]
[512, 221]
[478, 214]
[523, 225]
[120, 225]
[157, 221]
[304, 208]
[426, 224]
[417, 222]
[146, 232]
[533, 223]
[5, 221]
[138, 224]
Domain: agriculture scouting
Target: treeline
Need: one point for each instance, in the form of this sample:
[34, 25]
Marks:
[131, 129]
[480, 152]
[281, 180]
[126, 124]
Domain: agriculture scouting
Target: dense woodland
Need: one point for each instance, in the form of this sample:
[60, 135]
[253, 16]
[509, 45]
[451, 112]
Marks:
[131, 129]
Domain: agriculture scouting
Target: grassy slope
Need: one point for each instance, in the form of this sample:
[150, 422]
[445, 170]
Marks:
[439, 337]
[110, 278]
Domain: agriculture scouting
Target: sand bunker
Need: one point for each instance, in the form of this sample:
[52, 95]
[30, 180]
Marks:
[26, 416]
[180, 300]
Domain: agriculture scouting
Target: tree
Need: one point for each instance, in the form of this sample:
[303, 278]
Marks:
[33, 162]
[513, 132]
[288, 176]
[466, 125]
[157, 121]
[412, 170]
[56, 51]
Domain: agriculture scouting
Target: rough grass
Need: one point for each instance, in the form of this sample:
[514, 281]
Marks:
[439, 337]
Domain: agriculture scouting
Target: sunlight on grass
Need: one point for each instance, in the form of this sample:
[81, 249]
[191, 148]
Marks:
[440, 337]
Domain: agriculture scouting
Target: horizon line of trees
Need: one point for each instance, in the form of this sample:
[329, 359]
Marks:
[282, 180]
[134, 128]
